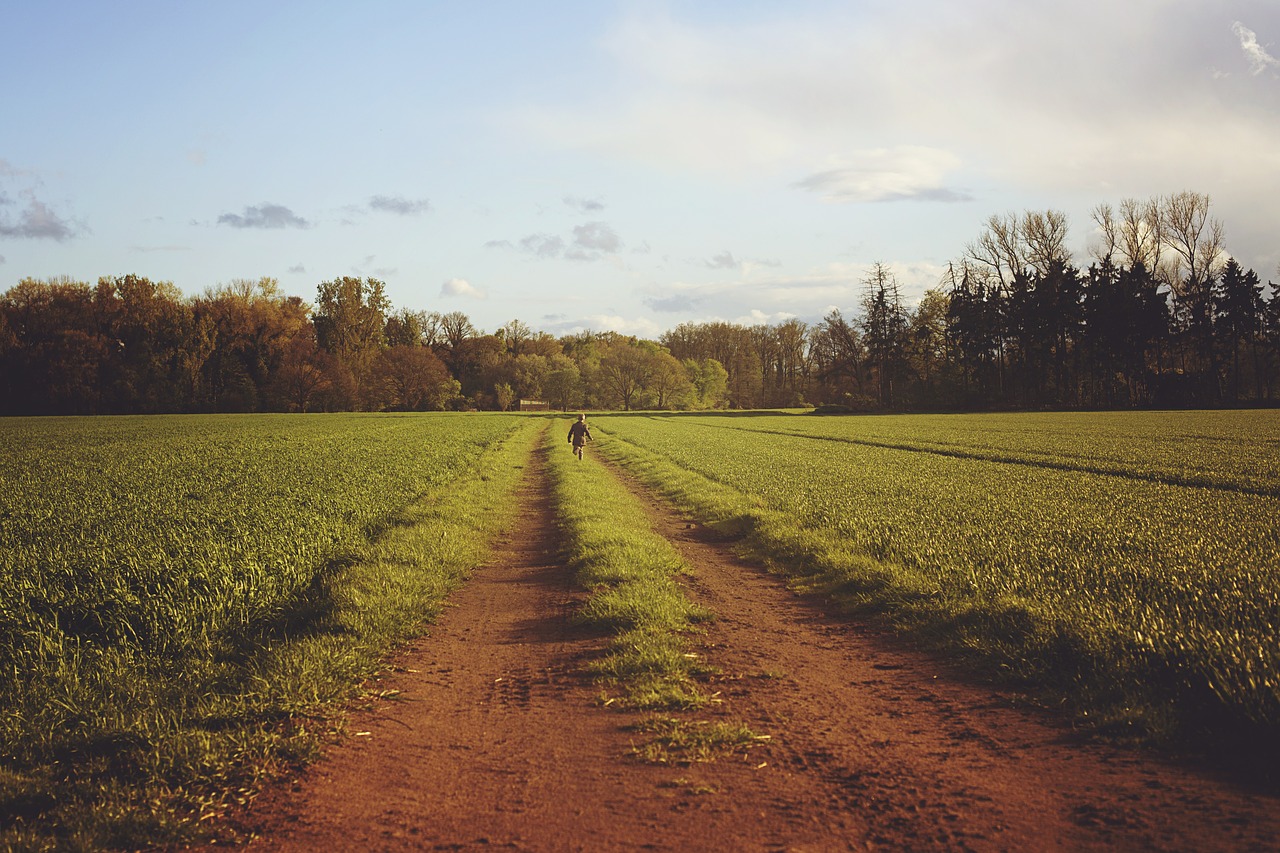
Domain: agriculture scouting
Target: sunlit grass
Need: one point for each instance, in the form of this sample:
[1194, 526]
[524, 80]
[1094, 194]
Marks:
[121, 739]
[1140, 585]
[668, 740]
[632, 575]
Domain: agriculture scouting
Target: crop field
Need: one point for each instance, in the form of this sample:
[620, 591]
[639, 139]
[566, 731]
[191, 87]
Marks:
[1129, 554]
[186, 602]
[167, 531]
[150, 565]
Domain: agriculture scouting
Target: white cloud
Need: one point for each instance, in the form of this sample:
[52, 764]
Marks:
[462, 288]
[639, 327]
[883, 174]
[756, 317]
[950, 109]
[1259, 59]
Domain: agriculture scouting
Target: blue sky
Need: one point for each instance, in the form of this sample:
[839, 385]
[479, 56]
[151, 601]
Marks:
[624, 166]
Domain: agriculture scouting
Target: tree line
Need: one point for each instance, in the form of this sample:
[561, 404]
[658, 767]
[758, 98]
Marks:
[1160, 317]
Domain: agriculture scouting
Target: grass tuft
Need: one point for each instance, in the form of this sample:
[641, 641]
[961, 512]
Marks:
[674, 741]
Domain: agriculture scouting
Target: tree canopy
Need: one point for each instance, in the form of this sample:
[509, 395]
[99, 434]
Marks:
[1162, 316]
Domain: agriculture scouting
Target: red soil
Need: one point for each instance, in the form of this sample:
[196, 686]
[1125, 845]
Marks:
[496, 739]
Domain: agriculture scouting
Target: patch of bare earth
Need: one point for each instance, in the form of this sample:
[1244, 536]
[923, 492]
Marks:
[496, 740]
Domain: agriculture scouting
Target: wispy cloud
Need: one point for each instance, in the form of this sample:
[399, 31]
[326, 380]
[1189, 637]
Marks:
[589, 242]
[1259, 59]
[676, 304]
[298, 268]
[772, 95]
[36, 221]
[543, 245]
[913, 173]
[585, 205]
[366, 267]
[399, 205]
[639, 326]
[264, 216]
[596, 236]
[723, 261]
[8, 170]
[726, 261]
[462, 288]
[148, 249]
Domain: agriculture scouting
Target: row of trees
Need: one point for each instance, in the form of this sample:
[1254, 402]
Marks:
[1161, 317]
[128, 344]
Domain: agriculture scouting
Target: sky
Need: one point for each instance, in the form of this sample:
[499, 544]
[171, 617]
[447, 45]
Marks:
[622, 166]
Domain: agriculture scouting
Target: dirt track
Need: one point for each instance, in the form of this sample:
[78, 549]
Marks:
[496, 740]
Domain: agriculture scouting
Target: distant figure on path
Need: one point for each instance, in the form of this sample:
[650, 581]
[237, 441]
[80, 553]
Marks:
[579, 435]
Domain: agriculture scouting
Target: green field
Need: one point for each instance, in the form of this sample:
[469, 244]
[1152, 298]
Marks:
[180, 595]
[1133, 558]
[168, 532]
[185, 600]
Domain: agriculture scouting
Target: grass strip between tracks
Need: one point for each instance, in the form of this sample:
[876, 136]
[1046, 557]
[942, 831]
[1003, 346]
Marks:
[163, 752]
[631, 573]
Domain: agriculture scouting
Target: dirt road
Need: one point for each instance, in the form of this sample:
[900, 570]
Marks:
[495, 740]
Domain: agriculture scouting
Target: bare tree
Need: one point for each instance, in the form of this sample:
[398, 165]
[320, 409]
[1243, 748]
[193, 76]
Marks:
[456, 327]
[1193, 238]
[1044, 239]
[999, 248]
[1010, 245]
[1141, 232]
[432, 331]
[1104, 251]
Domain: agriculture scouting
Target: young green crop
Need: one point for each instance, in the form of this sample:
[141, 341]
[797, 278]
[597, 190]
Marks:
[1235, 450]
[1132, 559]
[181, 598]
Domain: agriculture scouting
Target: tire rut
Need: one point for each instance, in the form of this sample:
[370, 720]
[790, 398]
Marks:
[495, 738]
[898, 749]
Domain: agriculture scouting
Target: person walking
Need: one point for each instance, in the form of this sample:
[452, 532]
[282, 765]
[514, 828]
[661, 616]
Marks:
[579, 435]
